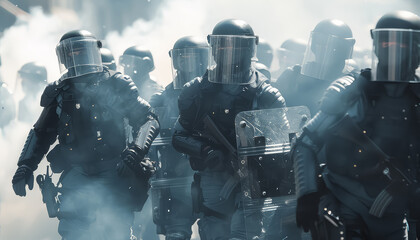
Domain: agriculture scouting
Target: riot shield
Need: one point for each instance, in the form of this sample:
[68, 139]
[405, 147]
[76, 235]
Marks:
[266, 172]
[171, 184]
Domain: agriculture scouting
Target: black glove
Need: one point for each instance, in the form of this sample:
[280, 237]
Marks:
[212, 157]
[133, 162]
[307, 211]
[23, 176]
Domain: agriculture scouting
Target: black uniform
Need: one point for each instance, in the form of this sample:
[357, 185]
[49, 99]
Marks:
[221, 102]
[368, 127]
[103, 181]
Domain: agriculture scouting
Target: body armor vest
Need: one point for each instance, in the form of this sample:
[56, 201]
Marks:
[87, 129]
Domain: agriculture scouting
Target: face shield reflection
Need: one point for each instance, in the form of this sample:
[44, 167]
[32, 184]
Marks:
[78, 56]
[231, 58]
[325, 56]
[395, 55]
[187, 64]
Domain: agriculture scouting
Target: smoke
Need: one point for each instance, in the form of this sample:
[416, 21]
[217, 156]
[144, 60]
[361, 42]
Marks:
[36, 38]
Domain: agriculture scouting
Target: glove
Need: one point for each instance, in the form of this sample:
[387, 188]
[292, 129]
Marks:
[134, 163]
[307, 211]
[23, 176]
[212, 157]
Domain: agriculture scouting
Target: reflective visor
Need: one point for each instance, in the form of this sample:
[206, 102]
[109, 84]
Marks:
[325, 56]
[78, 56]
[395, 55]
[187, 64]
[230, 58]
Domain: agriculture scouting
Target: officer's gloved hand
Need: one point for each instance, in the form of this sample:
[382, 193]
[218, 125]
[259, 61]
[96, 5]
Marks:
[307, 211]
[23, 176]
[212, 157]
[133, 162]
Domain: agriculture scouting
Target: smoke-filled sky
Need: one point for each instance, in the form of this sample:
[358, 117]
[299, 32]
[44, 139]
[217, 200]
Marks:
[35, 39]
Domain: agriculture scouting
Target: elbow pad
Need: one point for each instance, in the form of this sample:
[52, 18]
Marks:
[36, 146]
[147, 133]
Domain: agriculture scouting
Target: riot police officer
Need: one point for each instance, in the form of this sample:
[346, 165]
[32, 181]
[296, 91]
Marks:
[289, 54]
[368, 127]
[33, 78]
[230, 85]
[104, 178]
[171, 185]
[329, 46]
[108, 59]
[137, 62]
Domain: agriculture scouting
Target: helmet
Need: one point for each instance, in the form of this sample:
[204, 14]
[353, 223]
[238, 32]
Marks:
[33, 77]
[233, 47]
[264, 53]
[137, 61]
[291, 53]
[189, 59]
[78, 54]
[108, 59]
[396, 47]
[330, 44]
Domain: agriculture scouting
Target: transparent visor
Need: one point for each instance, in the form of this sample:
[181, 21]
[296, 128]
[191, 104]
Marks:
[288, 58]
[187, 64]
[395, 55]
[325, 56]
[78, 56]
[134, 65]
[230, 59]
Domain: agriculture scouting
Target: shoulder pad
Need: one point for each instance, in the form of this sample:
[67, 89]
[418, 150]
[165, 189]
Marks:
[340, 95]
[51, 91]
[156, 100]
[270, 97]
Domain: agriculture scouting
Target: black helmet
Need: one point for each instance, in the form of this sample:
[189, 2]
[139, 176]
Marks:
[137, 61]
[264, 53]
[291, 53]
[396, 46]
[189, 59]
[330, 44]
[108, 59]
[233, 45]
[33, 77]
[78, 54]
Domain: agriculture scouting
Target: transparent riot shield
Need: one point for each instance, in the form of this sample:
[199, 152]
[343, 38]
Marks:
[266, 172]
[171, 184]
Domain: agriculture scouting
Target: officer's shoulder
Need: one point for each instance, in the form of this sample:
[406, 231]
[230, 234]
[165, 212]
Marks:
[156, 100]
[119, 80]
[342, 93]
[50, 93]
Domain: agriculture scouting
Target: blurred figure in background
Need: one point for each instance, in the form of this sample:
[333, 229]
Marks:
[7, 104]
[137, 62]
[171, 185]
[289, 54]
[108, 59]
[330, 45]
[264, 58]
[33, 78]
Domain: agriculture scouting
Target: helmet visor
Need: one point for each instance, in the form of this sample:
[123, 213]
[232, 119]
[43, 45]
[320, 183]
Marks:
[230, 59]
[325, 56]
[78, 56]
[395, 55]
[187, 64]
